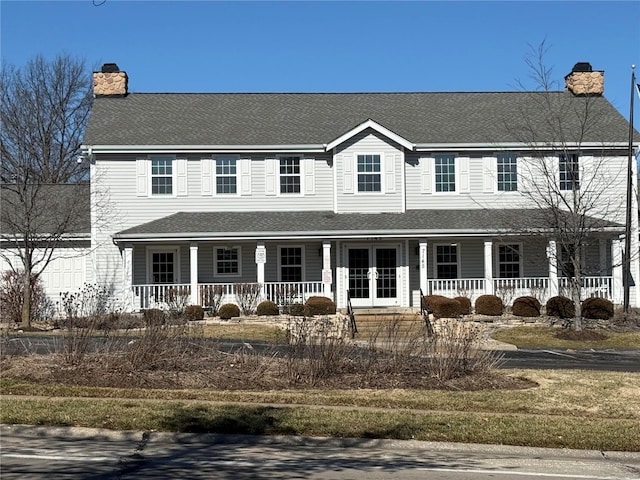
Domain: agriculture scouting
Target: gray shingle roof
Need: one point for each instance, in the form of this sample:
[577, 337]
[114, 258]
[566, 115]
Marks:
[319, 118]
[209, 225]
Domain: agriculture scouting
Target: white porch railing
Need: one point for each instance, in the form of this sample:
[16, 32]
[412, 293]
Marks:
[164, 296]
[511, 288]
[281, 293]
[456, 287]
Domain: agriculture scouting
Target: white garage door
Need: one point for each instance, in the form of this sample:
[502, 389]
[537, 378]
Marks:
[64, 275]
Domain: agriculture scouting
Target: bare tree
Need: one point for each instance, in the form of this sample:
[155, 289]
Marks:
[565, 175]
[44, 109]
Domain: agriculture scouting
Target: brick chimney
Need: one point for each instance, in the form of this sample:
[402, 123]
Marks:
[110, 81]
[583, 80]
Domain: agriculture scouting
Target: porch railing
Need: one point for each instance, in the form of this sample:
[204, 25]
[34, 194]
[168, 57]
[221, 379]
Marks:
[286, 293]
[457, 287]
[164, 296]
[601, 287]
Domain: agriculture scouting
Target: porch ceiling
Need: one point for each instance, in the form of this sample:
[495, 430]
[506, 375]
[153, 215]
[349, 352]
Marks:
[328, 225]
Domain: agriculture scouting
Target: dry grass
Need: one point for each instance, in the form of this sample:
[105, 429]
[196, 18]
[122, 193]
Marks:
[545, 337]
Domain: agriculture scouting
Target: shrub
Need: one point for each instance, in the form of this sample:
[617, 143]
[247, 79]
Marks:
[154, 316]
[211, 297]
[597, 308]
[295, 309]
[194, 312]
[489, 305]
[228, 310]
[526, 307]
[248, 295]
[443, 307]
[11, 295]
[561, 307]
[319, 306]
[465, 305]
[267, 308]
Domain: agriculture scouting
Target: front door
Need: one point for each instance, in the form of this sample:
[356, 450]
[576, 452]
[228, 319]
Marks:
[373, 276]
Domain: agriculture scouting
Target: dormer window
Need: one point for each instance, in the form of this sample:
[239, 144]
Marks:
[369, 173]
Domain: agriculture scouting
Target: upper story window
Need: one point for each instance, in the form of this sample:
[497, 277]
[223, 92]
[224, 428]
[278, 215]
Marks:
[369, 173]
[445, 173]
[290, 177]
[569, 171]
[227, 261]
[161, 176]
[226, 180]
[507, 173]
[446, 261]
[509, 261]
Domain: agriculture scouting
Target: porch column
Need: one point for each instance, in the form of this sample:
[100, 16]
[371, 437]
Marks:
[488, 267]
[327, 274]
[261, 259]
[424, 274]
[617, 246]
[193, 263]
[552, 258]
[127, 276]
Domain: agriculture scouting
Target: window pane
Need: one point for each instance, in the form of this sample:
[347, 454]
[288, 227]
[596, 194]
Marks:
[162, 267]
[290, 175]
[161, 176]
[507, 173]
[569, 172]
[291, 264]
[509, 261]
[227, 261]
[447, 261]
[369, 177]
[445, 173]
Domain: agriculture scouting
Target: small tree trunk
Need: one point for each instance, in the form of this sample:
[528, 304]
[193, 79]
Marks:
[26, 300]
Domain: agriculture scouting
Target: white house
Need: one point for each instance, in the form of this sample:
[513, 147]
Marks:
[378, 194]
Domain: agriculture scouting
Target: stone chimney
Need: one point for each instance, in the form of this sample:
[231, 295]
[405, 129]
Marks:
[110, 81]
[584, 81]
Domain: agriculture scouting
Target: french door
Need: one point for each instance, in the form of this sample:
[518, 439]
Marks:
[373, 276]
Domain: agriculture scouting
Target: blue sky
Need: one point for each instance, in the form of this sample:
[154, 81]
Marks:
[330, 46]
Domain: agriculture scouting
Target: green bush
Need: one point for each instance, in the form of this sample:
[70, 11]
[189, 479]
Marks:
[194, 312]
[267, 308]
[526, 307]
[228, 310]
[319, 306]
[597, 308]
[465, 305]
[442, 307]
[561, 307]
[489, 305]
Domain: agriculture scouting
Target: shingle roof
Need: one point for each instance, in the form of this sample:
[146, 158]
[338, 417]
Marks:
[319, 118]
[48, 206]
[209, 225]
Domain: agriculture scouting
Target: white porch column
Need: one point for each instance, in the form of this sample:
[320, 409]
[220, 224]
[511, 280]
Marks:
[552, 258]
[488, 267]
[616, 271]
[261, 259]
[327, 274]
[127, 277]
[193, 263]
[424, 274]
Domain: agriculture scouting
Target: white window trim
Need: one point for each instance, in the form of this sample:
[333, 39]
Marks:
[302, 186]
[174, 179]
[302, 259]
[579, 160]
[356, 189]
[215, 261]
[518, 162]
[496, 257]
[456, 167]
[435, 259]
[176, 262]
[214, 187]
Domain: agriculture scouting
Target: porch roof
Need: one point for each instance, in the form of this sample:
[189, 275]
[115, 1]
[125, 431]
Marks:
[327, 224]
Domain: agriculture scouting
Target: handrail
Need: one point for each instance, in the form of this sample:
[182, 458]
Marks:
[424, 311]
[353, 329]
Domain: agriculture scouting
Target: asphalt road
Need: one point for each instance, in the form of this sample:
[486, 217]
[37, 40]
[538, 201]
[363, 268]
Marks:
[611, 360]
[72, 453]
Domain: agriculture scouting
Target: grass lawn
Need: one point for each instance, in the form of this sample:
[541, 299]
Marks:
[544, 337]
[576, 409]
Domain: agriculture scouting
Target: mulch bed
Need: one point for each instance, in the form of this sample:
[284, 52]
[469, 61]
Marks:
[583, 335]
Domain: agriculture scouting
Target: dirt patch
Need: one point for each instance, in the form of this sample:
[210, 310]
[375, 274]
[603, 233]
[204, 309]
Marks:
[582, 336]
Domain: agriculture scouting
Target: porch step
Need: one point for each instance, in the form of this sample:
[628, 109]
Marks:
[375, 322]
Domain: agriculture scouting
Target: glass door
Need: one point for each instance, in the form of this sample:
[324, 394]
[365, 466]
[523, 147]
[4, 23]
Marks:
[373, 276]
